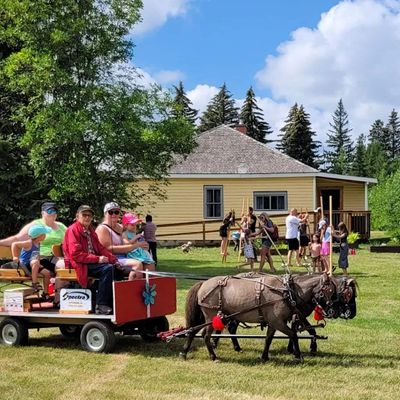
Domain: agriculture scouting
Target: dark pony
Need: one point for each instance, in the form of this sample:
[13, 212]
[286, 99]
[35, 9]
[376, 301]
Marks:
[268, 299]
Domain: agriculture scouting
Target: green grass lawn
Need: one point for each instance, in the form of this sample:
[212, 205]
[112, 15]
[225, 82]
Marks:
[360, 360]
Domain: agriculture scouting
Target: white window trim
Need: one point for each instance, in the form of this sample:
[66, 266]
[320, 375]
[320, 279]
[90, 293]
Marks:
[271, 193]
[220, 187]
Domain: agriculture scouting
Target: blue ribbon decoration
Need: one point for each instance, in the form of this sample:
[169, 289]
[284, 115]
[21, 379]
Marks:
[149, 294]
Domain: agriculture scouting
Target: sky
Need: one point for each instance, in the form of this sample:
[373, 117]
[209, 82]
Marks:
[312, 52]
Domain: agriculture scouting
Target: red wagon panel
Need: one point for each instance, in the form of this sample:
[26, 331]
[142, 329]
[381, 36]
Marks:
[129, 300]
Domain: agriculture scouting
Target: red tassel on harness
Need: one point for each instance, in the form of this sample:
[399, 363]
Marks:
[318, 313]
[217, 323]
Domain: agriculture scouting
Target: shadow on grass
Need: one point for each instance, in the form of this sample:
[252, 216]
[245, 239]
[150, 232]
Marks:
[136, 346]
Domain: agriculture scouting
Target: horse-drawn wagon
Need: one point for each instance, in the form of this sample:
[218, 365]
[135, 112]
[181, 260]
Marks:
[140, 307]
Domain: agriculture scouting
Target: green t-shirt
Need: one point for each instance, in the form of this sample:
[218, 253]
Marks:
[55, 237]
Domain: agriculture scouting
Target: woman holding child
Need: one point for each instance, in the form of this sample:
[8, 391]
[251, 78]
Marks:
[111, 235]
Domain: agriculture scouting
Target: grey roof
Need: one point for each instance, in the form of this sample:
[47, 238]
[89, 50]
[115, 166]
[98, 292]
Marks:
[224, 150]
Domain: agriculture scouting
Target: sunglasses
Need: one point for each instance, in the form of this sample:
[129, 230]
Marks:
[51, 211]
[115, 212]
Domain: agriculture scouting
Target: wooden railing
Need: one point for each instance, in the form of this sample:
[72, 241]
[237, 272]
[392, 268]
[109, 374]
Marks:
[356, 221]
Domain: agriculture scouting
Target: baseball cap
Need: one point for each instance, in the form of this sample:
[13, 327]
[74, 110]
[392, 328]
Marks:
[318, 209]
[130, 218]
[85, 207]
[111, 206]
[36, 230]
[48, 205]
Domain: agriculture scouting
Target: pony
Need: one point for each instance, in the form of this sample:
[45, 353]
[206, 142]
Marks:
[266, 299]
[342, 305]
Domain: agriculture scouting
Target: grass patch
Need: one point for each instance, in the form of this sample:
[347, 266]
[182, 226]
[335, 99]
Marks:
[360, 360]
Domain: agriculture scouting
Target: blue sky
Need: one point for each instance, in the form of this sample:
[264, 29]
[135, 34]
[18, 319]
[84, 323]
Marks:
[312, 52]
[222, 40]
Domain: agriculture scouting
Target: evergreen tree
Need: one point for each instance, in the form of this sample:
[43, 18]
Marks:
[378, 133]
[358, 167]
[252, 117]
[182, 105]
[393, 132]
[287, 129]
[220, 110]
[376, 162]
[339, 142]
[297, 140]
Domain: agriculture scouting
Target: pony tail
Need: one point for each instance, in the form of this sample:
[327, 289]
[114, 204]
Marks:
[193, 313]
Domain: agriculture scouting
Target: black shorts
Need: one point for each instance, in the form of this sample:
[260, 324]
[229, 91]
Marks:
[293, 244]
[47, 264]
[304, 240]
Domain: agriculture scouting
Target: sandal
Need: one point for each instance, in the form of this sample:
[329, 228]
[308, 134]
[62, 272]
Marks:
[46, 298]
[37, 287]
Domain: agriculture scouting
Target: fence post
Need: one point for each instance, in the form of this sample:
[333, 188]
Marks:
[350, 225]
[204, 233]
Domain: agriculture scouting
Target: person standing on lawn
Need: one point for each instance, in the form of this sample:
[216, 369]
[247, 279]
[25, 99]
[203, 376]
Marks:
[342, 234]
[292, 233]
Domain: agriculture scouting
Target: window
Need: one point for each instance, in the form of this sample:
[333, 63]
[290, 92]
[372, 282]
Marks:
[213, 201]
[270, 201]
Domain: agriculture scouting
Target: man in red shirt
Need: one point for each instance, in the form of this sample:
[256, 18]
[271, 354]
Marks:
[84, 252]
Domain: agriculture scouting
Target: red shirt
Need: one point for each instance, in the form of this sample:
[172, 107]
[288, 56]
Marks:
[76, 251]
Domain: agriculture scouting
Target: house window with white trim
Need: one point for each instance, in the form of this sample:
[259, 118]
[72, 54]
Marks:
[213, 201]
[270, 201]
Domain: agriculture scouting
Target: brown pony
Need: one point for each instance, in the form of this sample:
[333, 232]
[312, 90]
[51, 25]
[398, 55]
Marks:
[265, 299]
[342, 305]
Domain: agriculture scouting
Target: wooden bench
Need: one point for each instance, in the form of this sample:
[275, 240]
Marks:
[11, 276]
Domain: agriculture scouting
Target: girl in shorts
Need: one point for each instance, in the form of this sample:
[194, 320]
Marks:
[325, 246]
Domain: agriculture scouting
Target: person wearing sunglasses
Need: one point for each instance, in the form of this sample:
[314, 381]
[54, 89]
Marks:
[110, 236]
[48, 219]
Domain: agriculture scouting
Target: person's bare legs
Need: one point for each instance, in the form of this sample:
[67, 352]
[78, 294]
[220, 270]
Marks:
[35, 267]
[289, 257]
[224, 247]
[46, 279]
[270, 260]
[263, 254]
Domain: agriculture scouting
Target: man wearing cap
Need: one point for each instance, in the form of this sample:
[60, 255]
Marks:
[292, 233]
[27, 254]
[55, 237]
[84, 252]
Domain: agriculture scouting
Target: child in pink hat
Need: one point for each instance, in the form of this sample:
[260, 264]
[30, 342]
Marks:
[129, 236]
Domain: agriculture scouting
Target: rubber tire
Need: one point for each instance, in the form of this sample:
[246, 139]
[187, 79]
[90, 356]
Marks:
[71, 331]
[151, 327]
[21, 331]
[107, 335]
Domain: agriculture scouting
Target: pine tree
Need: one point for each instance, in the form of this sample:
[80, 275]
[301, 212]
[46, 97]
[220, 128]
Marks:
[220, 110]
[378, 133]
[297, 140]
[358, 167]
[376, 162]
[338, 140]
[393, 132]
[252, 117]
[182, 105]
[287, 129]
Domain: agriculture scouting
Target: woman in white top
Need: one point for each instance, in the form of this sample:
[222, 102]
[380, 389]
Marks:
[110, 236]
[292, 233]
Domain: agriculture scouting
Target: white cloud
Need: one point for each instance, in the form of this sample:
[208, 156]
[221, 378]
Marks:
[201, 95]
[165, 77]
[156, 12]
[352, 54]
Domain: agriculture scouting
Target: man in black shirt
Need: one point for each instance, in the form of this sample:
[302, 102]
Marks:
[252, 220]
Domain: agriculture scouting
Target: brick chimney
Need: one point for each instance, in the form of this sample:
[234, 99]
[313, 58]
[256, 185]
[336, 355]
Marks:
[241, 128]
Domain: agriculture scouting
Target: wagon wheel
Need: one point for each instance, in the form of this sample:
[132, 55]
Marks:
[153, 326]
[97, 337]
[13, 332]
[70, 331]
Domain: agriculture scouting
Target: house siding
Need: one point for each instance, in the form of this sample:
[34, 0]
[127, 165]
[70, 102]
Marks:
[185, 201]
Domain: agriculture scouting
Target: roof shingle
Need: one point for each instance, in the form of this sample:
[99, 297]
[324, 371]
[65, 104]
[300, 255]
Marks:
[224, 150]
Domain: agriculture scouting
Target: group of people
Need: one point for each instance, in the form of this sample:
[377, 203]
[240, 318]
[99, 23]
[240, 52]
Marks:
[297, 237]
[113, 248]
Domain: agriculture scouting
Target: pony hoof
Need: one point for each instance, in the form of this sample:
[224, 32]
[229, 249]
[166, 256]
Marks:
[182, 356]
[264, 360]
[298, 360]
[217, 360]
[239, 349]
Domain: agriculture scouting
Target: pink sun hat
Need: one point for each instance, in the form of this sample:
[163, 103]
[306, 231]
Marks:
[130, 218]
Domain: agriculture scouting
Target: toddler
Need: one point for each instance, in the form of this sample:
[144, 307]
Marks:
[248, 250]
[315, 252]
[129, 236]
[27, 253]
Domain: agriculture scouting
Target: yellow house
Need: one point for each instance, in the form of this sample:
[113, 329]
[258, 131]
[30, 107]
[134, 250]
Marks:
[229, 170]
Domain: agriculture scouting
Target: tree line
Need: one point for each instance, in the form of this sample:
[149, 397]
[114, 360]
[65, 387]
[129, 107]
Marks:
[374, 154]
